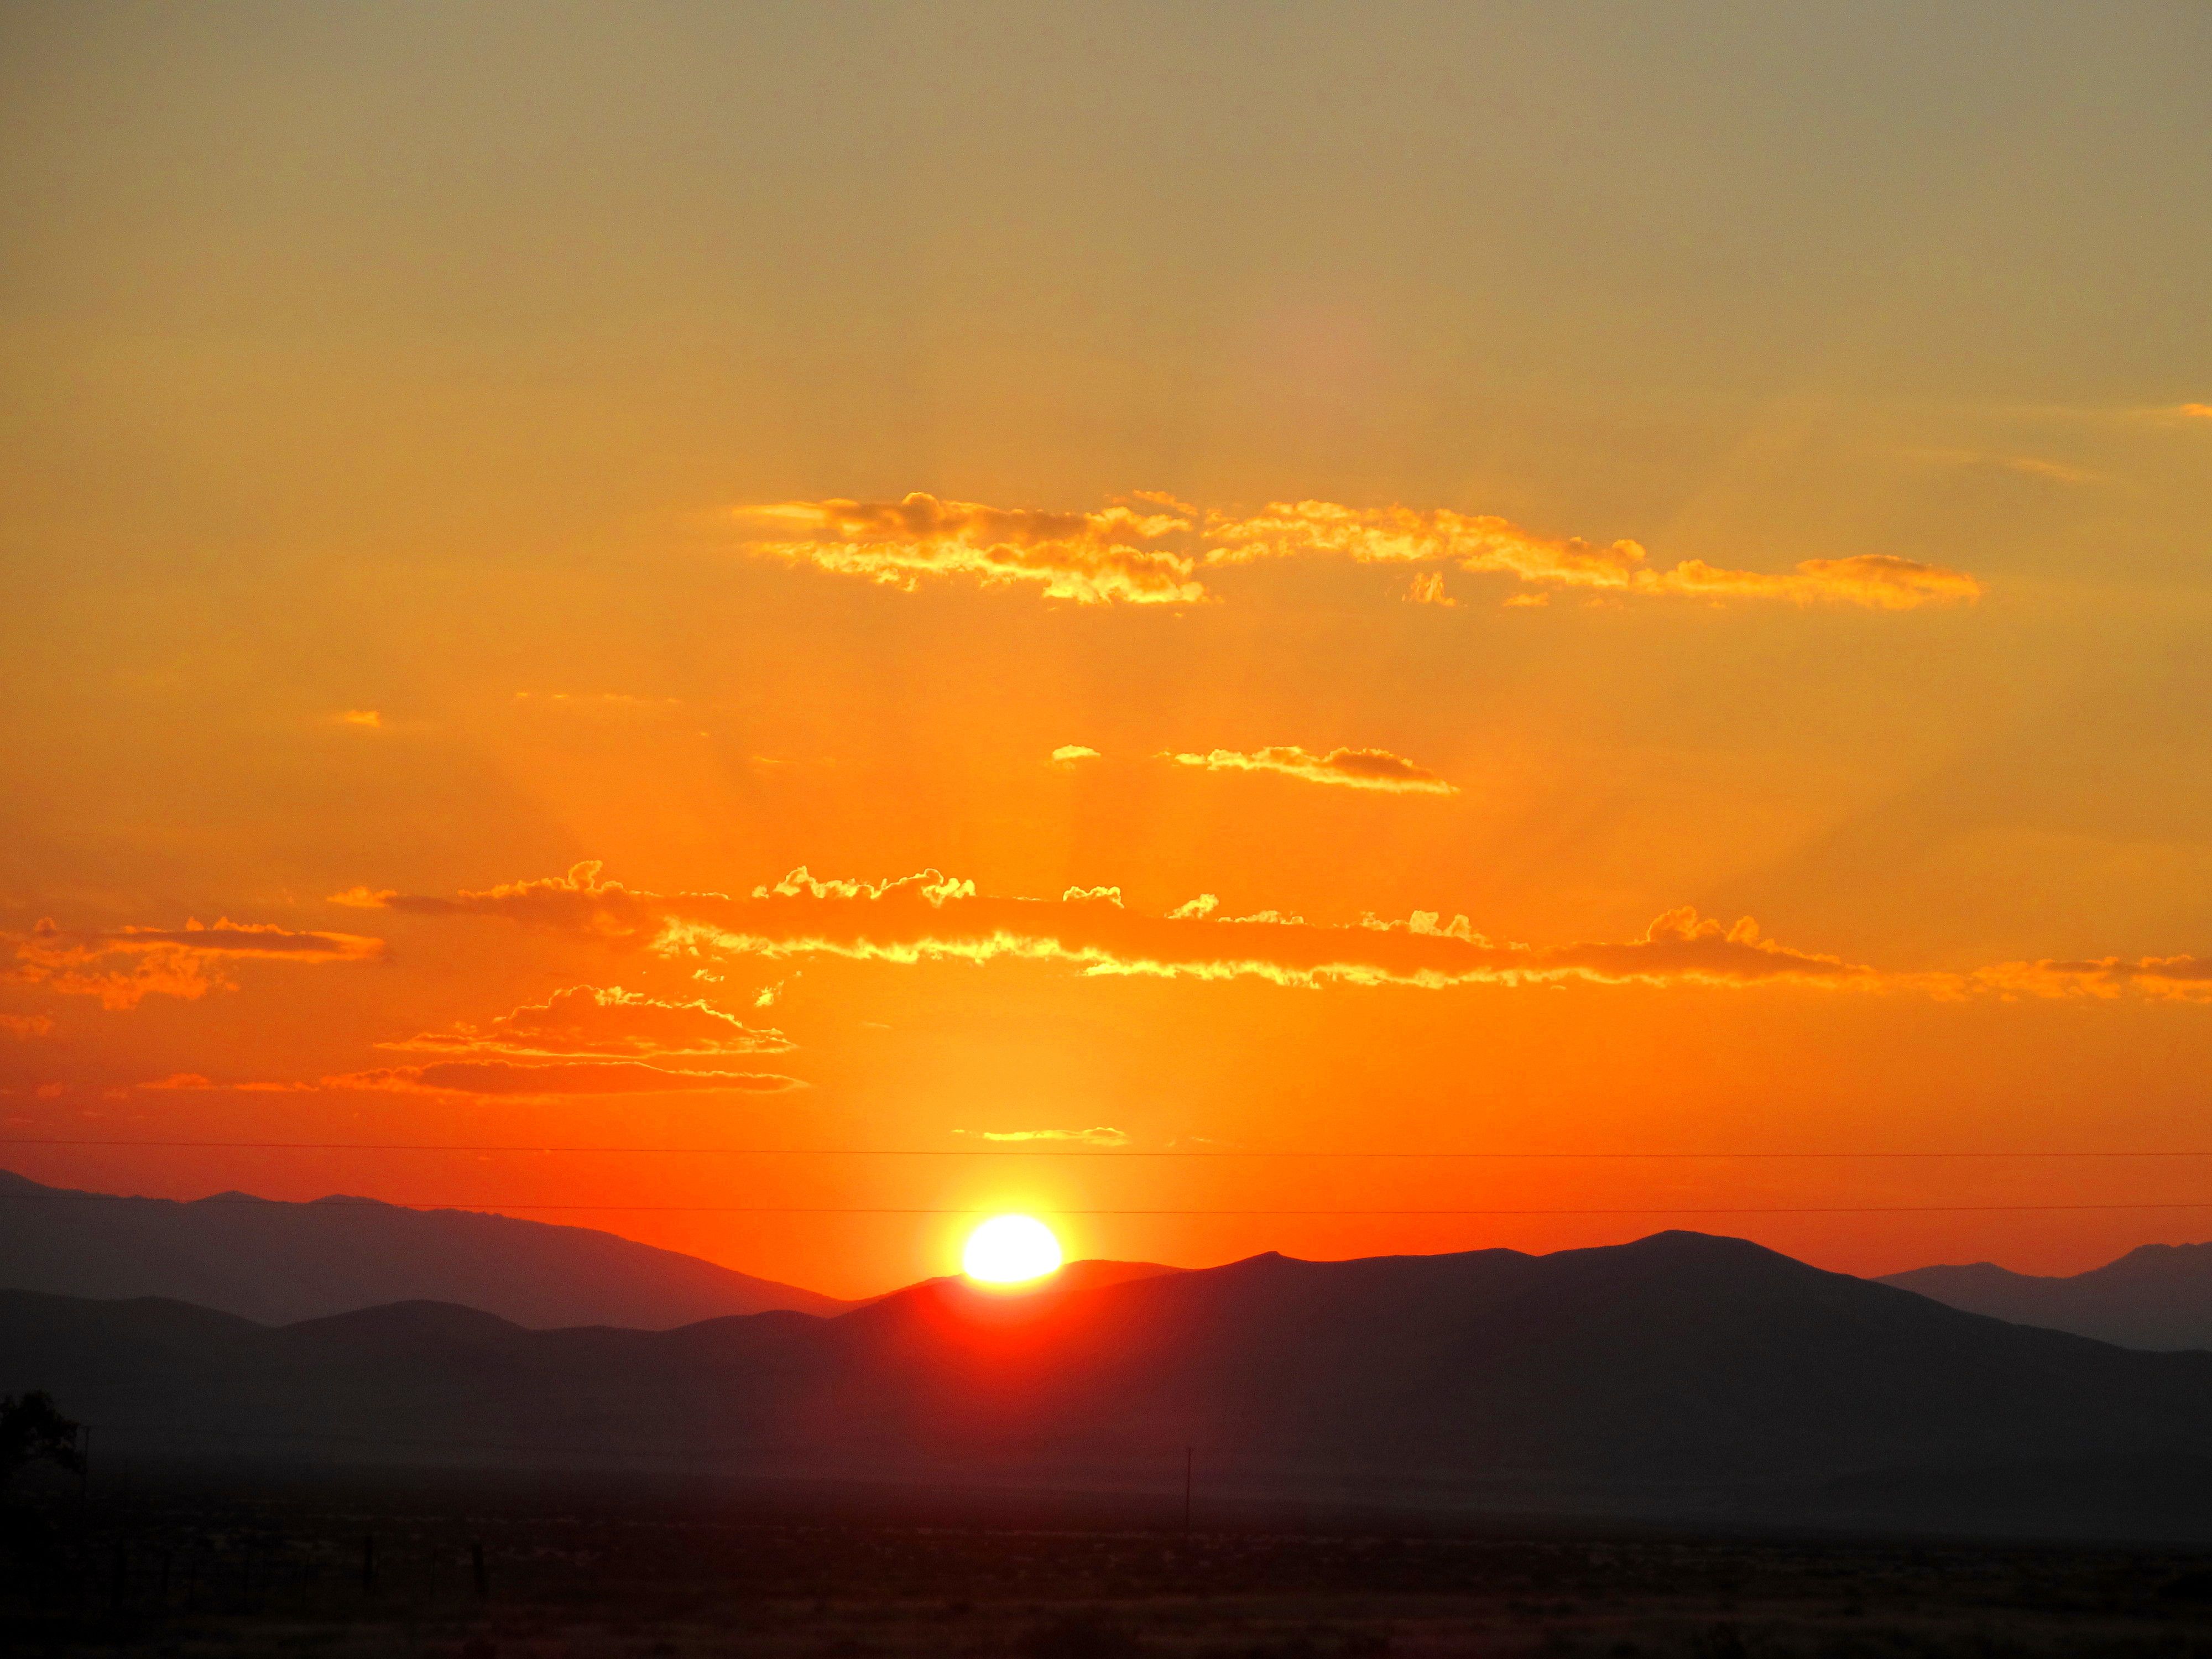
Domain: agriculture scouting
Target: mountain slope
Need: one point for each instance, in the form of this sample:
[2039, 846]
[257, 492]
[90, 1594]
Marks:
[1664, 1376]
[280, 1262]
[2158, 1297]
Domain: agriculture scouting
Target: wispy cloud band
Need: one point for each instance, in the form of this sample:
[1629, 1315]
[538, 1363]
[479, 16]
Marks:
[505, 1080]
[1092, 558]
[122, 966]
[932, 917]
[1352, 768]
[606, 1021]
[1150, 549]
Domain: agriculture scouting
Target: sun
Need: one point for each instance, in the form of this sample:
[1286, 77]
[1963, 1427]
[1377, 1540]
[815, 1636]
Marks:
[1010, 1249]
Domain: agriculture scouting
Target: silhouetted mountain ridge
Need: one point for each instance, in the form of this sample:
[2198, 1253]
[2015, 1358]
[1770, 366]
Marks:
[2156, 1296]
[278, 1262]
[1681, 1374]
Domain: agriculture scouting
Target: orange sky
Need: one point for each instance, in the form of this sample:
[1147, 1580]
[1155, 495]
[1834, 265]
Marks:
[1284, 577]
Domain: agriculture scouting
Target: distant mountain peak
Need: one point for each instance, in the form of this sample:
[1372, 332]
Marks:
[279, 1262]
[2156, 1296]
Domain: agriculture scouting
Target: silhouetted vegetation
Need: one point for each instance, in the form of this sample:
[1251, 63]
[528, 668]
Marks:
[32, 1431]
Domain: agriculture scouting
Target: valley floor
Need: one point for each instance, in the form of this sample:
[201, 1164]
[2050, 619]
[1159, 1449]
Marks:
[174, 1573]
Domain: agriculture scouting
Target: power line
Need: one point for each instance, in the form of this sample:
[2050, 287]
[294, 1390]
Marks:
[1101, 1154]
[973, 1209]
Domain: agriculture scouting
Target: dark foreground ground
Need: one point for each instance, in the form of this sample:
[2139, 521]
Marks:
[186, 1567]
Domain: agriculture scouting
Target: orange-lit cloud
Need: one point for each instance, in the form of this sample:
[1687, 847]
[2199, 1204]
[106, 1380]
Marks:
[368, 720]
[1353, 768]
[1093, 558]
[122, 966]
[586, 1019]
[506, 1079]
[2195, 411]
[902, 924]
[614, 705]
[26, 1025]
[1070, 754]
[1100, 1136]
[1428, 588]
[931, 917]
[2023, 467]
[578, 903]
[501, 1078]
[2178, 979]
[1401, 535]
[199, 1083]
[1148, 550]
[541, 1082]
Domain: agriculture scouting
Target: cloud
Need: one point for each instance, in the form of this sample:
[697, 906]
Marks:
[1149, 549]
[26, 1025]
[1101, 1136]
[1069, 753]
[541, 1082]
[366, 719]
[2024, 466]
[2195, 411]
[197, 1083]
[898, 926]
[586, 1019]
[122, 966]
[931, 917]
[1092, 558]
[507, 1079]
[1401, 535]
[2031, 466]
[361, 898]
[1354, 769]
[1428, 588]
[616, 705]
[578, 903]
[2172, 979]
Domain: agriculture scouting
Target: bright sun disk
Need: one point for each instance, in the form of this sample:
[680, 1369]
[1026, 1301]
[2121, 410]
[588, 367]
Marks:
[1009, 1249]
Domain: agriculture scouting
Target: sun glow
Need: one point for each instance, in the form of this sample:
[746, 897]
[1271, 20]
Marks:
[1010, 1249]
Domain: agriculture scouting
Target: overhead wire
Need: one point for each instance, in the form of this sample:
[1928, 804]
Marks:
[972, 1209]
[1100, 1152]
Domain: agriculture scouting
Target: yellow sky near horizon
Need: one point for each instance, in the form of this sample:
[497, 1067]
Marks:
[1558, 469]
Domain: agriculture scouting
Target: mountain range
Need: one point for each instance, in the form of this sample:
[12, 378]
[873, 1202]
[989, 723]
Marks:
[280, 1262]
[1680, 1376]
[2157, 1296]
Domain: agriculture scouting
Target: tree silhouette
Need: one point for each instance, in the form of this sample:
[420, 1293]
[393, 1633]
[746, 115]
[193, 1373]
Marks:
[33, 1431]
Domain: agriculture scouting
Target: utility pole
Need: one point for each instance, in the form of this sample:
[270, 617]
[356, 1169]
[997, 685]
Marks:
[1189, 1453]
[83, 1462]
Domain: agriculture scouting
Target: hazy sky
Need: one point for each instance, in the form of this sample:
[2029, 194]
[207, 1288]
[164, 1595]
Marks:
[447, 445]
